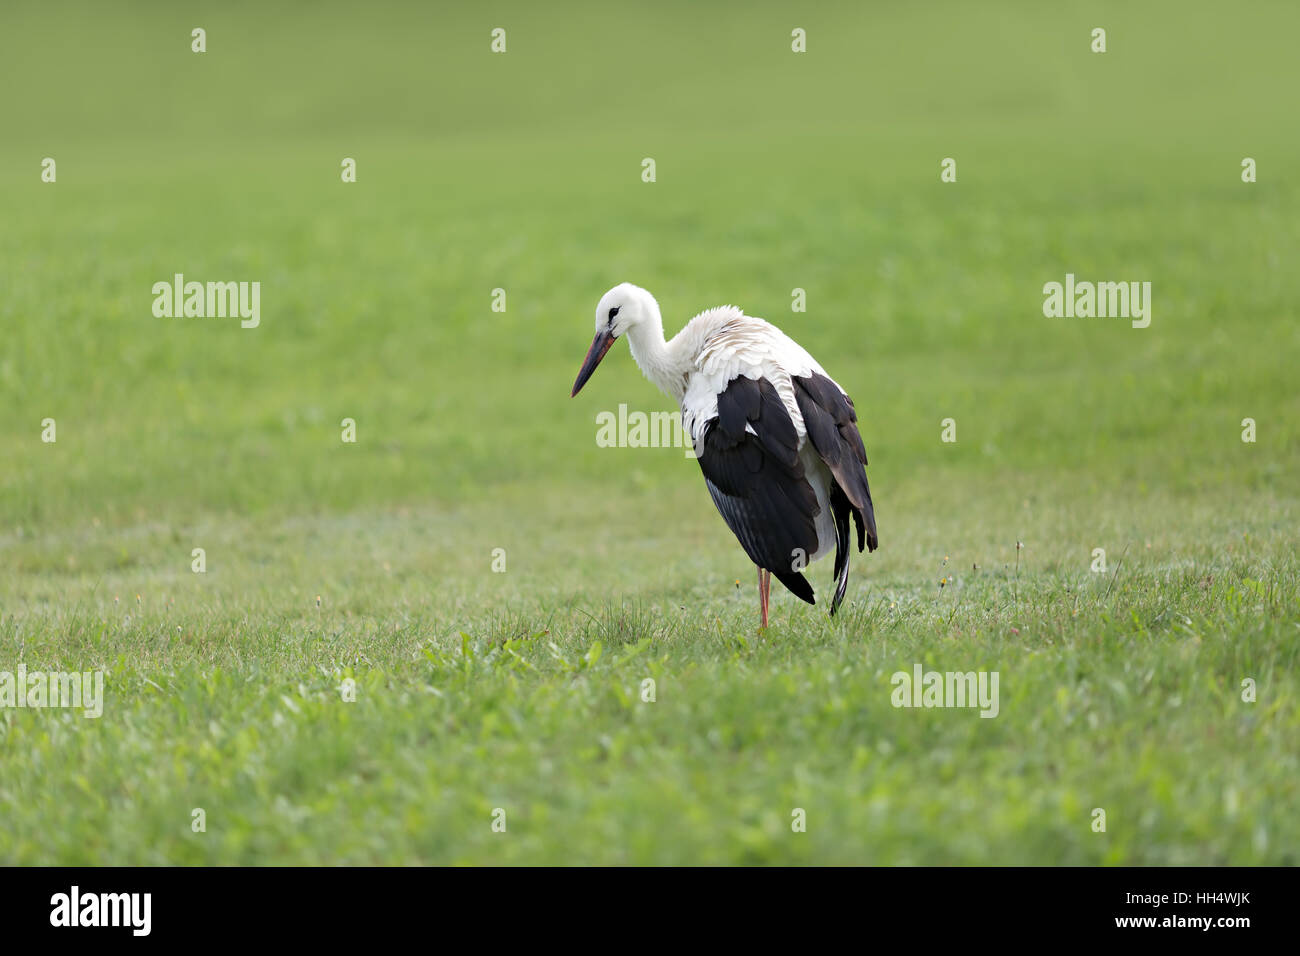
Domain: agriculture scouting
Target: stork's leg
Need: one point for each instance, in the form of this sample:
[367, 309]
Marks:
[767, 591]
[767, 595]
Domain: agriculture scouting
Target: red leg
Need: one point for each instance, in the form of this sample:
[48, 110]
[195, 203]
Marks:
[764, 584]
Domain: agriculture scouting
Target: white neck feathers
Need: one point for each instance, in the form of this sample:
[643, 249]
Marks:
[656, 358]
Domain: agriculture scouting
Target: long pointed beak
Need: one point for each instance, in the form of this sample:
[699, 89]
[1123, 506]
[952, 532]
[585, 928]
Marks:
[599, 346]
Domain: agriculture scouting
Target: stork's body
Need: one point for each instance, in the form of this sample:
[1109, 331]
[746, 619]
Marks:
[775, 436]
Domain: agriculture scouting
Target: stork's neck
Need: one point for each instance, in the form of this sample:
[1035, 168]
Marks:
[655, 357]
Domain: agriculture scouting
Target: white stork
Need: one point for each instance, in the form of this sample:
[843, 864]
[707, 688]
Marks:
[776, 438]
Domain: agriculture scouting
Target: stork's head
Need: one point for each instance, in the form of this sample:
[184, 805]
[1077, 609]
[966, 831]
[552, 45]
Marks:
[621, 308]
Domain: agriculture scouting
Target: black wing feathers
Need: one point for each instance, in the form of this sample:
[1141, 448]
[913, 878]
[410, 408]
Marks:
[840, 512]
[757, 481]
[832, 425]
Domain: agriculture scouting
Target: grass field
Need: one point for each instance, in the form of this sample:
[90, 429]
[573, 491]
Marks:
[478, 691]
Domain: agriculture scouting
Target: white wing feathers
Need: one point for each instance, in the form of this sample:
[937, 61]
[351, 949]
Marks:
[736, 344]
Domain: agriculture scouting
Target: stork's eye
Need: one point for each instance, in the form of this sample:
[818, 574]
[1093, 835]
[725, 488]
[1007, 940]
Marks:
[613, 312]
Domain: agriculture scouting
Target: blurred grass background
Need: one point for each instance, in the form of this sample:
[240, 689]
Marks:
[521, 171]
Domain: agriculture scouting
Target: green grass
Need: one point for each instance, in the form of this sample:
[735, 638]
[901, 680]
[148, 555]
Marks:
[522, 690]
